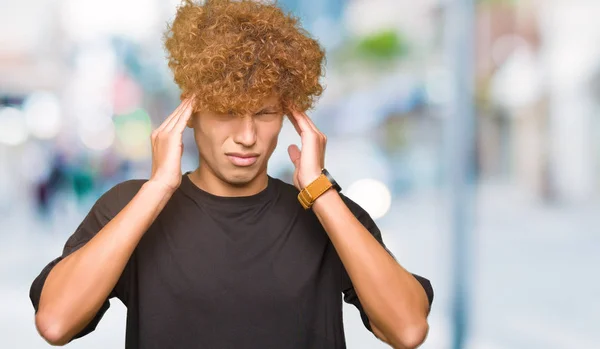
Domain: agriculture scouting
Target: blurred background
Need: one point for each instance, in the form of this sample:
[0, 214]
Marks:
[490, 194]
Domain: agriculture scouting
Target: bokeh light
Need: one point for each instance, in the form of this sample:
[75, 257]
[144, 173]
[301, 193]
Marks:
[43, 115]
[372, 195]
[88, 19]
[13, 129]
[100, 137]
[133, 134]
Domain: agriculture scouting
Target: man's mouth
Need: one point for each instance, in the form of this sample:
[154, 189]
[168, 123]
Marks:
[242, 159]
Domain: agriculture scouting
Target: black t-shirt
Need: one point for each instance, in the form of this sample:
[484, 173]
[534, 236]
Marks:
[227, 272]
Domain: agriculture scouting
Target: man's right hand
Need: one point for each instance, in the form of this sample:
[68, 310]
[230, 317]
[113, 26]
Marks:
[167, 147]
[76, 288]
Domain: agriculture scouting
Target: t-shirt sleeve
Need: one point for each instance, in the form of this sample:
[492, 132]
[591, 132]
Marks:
[348, 291]
[102, 212]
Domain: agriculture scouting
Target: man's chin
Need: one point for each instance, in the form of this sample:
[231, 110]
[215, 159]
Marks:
[241, 177]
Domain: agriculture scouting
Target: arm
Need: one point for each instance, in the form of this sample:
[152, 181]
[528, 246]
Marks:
[77, 286]
[395, 302]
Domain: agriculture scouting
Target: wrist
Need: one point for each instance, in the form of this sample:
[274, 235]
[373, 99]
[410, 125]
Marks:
[328, 198]
[308, 179]
[316, 188]
[158, 188]
[328, 207]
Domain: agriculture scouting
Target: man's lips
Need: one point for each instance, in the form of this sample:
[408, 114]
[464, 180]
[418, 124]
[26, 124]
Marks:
[243, 155]
[242, 159]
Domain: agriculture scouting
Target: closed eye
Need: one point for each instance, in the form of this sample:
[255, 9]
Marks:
[267, 115]
[263, 112]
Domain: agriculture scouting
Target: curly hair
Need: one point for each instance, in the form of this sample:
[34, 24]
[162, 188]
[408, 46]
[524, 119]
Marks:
[231, 55]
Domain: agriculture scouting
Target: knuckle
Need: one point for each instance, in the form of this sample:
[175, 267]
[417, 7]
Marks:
[312, 135]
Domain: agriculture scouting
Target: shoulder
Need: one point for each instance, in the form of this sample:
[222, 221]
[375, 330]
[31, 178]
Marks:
[106, 207]
[291, 191]
[355, 208]
[117, 197]
[128, 189]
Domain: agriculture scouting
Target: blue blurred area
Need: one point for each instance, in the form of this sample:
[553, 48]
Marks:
[82, 84]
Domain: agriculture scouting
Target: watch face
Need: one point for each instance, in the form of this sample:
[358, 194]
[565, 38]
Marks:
[335, 185]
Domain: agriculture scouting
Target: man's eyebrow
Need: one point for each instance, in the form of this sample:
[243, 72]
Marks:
[269, 107]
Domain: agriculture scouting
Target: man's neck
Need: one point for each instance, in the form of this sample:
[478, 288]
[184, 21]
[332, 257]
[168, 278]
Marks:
[205, 179]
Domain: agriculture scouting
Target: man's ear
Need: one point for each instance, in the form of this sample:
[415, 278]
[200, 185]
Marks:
[190, 121]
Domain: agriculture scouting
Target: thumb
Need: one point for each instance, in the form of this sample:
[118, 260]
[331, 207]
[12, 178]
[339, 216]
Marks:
[294, 153]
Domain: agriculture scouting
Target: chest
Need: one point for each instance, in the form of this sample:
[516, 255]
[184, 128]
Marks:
[236, 264]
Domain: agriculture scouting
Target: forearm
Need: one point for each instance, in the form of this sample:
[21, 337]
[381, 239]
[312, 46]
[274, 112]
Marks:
[393, 299]
[77, 286]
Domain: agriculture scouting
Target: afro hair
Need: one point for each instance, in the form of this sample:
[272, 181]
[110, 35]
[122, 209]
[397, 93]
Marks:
[231, 55]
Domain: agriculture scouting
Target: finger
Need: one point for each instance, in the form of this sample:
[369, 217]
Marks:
[312, 124]
[183, 118]
[184, 106]
[293, 121]
[294, 153]
[162, 126]
[303, 125]
[296, 183]
[169, 118]
[309, 133]
[309, 121]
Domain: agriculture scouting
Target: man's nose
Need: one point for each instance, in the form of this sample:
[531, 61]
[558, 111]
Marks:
[246, 132]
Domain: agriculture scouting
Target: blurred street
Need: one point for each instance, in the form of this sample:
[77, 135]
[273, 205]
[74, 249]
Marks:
[84, 82]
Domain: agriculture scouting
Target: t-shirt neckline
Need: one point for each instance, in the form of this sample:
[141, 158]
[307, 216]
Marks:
[196, 192]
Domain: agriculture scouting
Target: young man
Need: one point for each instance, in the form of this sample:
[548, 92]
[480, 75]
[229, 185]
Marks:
[227, 256]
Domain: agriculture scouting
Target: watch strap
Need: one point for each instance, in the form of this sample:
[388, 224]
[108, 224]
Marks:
[311, 192]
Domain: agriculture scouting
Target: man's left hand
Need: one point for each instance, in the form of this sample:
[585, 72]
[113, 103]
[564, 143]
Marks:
[309, 161]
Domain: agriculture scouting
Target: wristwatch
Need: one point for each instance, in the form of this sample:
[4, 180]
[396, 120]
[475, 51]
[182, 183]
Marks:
[316, 188]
